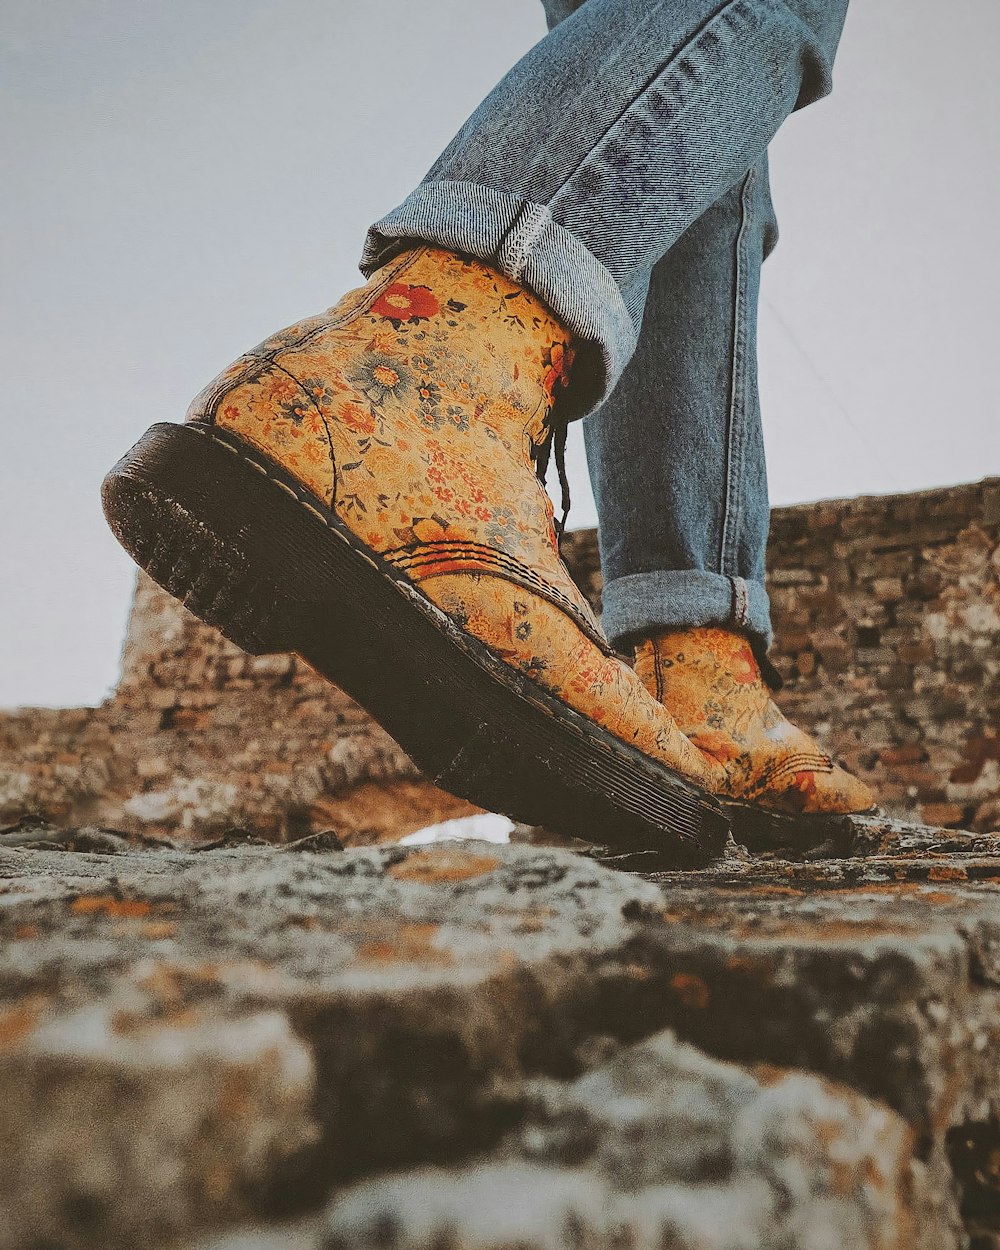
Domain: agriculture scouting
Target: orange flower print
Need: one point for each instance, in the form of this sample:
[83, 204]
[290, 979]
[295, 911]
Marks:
[744, 667]
[313, 423]
[356, 418]
[558, 362]
[283, 390]
[400, 303]
[719, 745]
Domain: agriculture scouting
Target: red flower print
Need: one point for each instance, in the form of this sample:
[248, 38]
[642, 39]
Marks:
[400, 302]
[283, 388]
[802, 789]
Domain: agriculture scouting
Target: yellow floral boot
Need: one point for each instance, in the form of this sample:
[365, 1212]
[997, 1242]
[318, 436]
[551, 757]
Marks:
[711, 683]
[361, 488]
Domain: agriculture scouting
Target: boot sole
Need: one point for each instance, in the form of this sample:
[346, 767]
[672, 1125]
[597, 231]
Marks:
[251, 552]
[764, 829]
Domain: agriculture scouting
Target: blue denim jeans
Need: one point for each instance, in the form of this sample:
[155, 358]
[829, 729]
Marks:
[619, 170]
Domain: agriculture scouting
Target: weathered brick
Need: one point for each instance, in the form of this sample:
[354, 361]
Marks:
[944, 814]
[908, 753]
[887, 589]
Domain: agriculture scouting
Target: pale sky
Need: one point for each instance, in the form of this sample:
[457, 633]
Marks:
[180, 179]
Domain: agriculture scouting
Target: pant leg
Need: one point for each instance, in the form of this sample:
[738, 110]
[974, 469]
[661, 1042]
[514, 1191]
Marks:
[604, 144]
[676, 453]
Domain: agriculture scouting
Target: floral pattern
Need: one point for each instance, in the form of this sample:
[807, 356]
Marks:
[710, 681]
[412, 409]
[401, 303]
[379, 377]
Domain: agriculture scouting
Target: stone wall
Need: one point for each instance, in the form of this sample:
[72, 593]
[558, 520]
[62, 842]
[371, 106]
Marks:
[887, 616]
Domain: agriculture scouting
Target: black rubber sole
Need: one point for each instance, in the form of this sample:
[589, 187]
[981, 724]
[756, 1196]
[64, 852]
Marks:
[762, 829]
[247, 550]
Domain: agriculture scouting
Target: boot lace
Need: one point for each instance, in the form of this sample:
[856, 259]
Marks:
[553, 447]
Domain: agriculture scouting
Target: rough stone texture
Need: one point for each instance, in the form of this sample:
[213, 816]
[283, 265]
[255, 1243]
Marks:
[126, 1122]
[665, 1147]
[424, 984]
[886, 612]
[499, 1046]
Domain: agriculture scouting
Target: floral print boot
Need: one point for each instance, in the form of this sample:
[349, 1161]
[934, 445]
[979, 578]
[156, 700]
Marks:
[711, 683]
[361, 488]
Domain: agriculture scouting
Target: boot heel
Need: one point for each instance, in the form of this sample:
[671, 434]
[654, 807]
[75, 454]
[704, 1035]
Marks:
[162, 503]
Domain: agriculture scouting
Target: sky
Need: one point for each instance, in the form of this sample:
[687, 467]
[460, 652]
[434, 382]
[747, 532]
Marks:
[180, 179]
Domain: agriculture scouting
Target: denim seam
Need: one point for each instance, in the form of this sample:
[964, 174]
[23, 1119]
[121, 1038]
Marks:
[664, 600]
[515, 247]
[736, 420]
[741, 602]
[671, 70]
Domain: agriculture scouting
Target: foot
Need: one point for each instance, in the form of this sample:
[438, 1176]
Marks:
[711, 683]
[407, 418]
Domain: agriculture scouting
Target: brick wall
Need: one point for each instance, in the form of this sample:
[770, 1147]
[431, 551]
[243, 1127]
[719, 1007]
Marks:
[887, 616]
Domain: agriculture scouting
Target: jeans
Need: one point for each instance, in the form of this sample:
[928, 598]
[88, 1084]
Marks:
[619, 170]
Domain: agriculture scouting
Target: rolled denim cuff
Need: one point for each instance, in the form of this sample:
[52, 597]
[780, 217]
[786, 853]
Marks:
[521, 240]
[642, 604]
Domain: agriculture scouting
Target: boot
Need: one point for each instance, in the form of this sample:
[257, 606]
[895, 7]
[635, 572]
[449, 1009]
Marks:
[361, 488]
[710, 681]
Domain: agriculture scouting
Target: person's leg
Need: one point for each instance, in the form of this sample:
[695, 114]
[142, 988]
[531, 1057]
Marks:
[676, 456]
[676, 452]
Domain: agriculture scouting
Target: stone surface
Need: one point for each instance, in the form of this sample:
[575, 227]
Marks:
[131, 1121]
[886, 614]
[665, 1147]
[498, 1046]
[423, 983]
